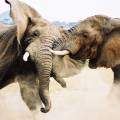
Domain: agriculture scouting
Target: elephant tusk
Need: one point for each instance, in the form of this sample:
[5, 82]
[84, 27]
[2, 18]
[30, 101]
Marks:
[26, 56]
[63, 52]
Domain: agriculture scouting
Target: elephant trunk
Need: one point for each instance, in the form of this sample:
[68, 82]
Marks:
[44, 66]
[40, 54]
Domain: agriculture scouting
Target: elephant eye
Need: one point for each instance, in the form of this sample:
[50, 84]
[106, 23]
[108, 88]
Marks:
[36, 33]
[84, 34]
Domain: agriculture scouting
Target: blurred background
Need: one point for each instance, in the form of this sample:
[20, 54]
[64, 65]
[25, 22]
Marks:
[71, 10]
[90, 95]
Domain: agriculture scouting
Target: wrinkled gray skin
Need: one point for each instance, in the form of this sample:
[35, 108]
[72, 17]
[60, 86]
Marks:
[40, 36]
[98, 30]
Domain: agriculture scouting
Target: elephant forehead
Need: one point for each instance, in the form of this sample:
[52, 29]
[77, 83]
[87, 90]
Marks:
[48, 30]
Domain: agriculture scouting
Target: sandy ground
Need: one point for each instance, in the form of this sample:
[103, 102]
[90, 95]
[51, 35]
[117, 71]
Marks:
[88, 96]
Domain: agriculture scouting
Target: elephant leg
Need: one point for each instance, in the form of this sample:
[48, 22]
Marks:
[29, 90]
[116, 71]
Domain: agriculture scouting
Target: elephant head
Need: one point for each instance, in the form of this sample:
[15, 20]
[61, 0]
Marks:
[92, 33]
[97, 28]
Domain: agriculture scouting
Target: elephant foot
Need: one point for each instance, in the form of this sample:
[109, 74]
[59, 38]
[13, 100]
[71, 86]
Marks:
[44, 95]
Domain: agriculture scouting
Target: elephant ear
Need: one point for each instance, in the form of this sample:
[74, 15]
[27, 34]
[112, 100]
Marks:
[66, 66]
[9, 48]
[20, 13]
[108, 24]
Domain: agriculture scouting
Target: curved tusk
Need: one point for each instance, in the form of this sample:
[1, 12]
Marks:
[63, 52]
[26, 56]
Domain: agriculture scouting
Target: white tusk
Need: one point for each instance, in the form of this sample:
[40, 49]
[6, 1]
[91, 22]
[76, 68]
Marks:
[25, 56]
[63, 52]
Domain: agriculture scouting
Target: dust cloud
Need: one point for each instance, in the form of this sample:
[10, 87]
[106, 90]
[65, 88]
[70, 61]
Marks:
[91, 95]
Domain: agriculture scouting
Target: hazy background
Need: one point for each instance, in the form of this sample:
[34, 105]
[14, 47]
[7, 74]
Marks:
[90, 95]
[71, 10]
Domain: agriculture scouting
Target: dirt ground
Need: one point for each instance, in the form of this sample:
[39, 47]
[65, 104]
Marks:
[90, 95]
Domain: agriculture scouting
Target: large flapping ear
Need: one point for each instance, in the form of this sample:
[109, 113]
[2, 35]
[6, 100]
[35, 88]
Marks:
[9, 48]
[20, 12]
[67, 66]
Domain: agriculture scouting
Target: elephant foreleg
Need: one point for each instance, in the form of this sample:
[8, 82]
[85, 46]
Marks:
[116, 71]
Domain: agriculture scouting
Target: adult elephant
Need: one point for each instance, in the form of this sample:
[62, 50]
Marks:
[100, 42]
[12, 66]
[38, 37]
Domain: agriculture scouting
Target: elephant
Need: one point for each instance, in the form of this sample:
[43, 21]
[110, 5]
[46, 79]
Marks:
[35, 42]
[99, 37]
[13, 68]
